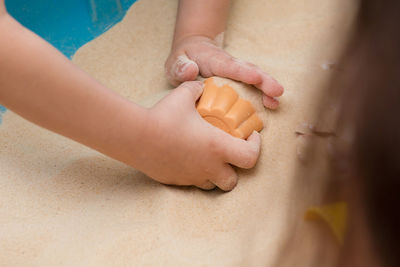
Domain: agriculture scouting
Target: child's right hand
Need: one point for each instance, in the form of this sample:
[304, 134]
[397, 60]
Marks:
[170, 142]
[183, 149]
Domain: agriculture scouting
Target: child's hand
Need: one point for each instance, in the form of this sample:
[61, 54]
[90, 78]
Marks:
[198, 54]
[170, 142]
[181, 148]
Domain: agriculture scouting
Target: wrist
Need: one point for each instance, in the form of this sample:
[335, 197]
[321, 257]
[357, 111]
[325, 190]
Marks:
[125, 137]
[145, 142]
[192, 37]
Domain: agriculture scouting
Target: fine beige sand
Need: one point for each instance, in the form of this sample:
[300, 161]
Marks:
[62, 204]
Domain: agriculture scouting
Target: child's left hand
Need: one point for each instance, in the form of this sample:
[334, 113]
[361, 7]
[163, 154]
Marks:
[194, 55]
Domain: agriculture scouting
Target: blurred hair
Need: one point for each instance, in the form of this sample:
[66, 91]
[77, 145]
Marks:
[370, 94]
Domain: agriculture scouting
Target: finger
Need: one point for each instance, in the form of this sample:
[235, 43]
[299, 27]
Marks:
[207, 186]
[269, 86]
[181, 69]
[241, 153]
[226, 66]
[226, 179]
[270, 102]
[191, 90]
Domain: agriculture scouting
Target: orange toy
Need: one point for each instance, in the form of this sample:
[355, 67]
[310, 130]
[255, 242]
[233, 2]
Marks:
[223, 108]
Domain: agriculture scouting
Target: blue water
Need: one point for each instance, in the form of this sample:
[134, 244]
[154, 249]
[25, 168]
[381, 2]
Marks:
[67, 24]
[2, 110]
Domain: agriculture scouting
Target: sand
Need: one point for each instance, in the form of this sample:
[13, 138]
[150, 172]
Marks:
[62, 204]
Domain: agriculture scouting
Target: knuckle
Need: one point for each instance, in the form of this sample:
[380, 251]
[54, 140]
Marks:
[219, 61]
[205, 72]
[235, 65]
[215, 147]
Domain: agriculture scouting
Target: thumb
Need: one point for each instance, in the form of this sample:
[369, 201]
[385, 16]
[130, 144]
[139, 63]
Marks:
[190, 90]
[181, 69]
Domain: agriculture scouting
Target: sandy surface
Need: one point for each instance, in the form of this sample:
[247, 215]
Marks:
[62, 204]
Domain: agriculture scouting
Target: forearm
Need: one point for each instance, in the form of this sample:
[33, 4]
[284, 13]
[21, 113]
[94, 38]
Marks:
[41, 85]
[201, 17]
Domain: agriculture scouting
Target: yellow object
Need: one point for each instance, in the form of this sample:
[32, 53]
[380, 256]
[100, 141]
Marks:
[335, 215]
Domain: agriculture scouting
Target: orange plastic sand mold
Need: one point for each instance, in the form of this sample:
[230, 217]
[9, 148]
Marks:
[223, 108]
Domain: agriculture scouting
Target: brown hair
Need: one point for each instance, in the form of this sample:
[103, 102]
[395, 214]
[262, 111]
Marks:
[371, 106]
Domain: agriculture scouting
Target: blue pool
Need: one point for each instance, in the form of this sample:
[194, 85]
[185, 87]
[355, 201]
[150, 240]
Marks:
[67, 24]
